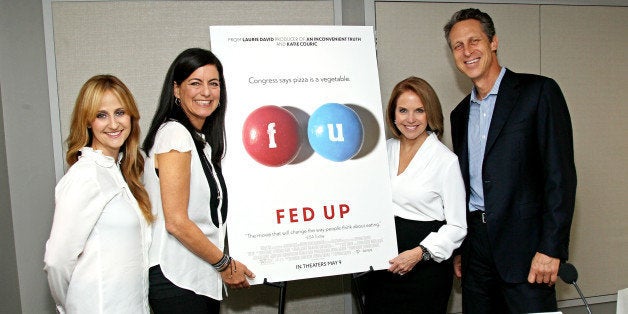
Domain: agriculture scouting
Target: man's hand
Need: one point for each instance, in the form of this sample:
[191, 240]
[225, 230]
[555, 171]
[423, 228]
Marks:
[544, 269]
[458, 266]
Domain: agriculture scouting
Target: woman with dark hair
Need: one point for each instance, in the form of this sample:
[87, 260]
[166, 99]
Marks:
[97, 254]
[428, 204]
[184, 146]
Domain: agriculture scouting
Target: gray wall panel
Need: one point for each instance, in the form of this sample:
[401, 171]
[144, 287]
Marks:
[578, 45]
[29, 163]
[584, 49]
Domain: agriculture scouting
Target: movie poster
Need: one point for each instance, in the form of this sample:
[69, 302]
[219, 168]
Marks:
[306, 166]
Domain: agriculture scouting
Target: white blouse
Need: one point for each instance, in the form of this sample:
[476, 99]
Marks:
[184, 268]
[97, 254]
[430, 188]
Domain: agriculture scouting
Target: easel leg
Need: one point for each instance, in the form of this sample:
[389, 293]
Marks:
[355, 288]
[282, 294]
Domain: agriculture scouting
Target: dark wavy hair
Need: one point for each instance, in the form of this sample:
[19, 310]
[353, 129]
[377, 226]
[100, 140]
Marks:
[214, 127]
[467, 14]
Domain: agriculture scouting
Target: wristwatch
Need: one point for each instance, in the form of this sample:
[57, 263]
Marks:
[426, 256]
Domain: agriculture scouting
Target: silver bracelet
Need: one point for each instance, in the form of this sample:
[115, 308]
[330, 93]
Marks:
[223, 263]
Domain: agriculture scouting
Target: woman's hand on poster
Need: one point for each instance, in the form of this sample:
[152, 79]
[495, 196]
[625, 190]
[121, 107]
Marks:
[405, 261]
[236, 275]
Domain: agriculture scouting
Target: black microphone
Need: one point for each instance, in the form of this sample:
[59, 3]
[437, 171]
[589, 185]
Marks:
[568, 273]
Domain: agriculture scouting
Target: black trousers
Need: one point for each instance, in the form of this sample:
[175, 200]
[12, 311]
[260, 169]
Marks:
[167, 298]
[483, 290]
[425, 289]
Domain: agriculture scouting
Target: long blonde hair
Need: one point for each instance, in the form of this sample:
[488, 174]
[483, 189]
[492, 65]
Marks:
[85, 109]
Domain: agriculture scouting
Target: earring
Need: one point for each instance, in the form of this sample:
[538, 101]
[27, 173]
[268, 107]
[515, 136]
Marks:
[177, 101]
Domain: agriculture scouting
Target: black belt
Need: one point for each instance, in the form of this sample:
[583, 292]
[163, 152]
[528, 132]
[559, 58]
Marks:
[478, 215]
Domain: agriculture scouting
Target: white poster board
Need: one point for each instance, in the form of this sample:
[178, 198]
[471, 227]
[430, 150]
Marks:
[307, 174]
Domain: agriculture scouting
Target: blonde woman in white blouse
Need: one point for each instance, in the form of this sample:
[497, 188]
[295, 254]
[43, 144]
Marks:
[97, 255]
[428, 203]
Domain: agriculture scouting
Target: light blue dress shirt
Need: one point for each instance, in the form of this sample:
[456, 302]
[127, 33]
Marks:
[480, 115]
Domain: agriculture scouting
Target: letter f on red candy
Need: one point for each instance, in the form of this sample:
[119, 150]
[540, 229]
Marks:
[271, 136]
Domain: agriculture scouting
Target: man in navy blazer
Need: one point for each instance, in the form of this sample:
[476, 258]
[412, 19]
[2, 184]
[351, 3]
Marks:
[514, 142]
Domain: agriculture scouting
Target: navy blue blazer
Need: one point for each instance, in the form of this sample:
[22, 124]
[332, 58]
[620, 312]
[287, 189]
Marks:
[528, 172]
